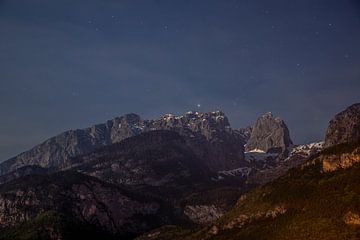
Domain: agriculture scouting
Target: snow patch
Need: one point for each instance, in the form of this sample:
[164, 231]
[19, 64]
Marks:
[256, 150]
[306, 149]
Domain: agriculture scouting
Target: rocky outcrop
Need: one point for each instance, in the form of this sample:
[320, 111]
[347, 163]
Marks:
[270, 135]
[245, 133]
[344, 127]
[351, 218]
[332, 162]
[225, 145]
[203, 214]
[243, 219]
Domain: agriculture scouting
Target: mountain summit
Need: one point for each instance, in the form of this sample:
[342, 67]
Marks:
[223, 147]
[269, 134]
[344, 127]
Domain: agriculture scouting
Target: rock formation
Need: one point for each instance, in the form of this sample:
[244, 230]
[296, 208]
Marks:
[269, 134]
[245, 133]
[225, 145]
[344, 127]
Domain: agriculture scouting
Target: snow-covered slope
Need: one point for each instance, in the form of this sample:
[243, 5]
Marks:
[297, 156]
[305, 150]
[264, 167]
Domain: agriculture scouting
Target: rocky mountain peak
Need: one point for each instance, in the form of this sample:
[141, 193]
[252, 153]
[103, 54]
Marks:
[245, 133]
[130, 118]
[224, 146]
[267, 115]
[207, 124]
[344, 127]
[269, 134]
[212, 130]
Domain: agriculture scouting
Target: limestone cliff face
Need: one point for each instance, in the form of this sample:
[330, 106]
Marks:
[333, 162]
[244, 219]
[344, 127]
[225, 145]
[269, 134]
[245, 133]
[352, 218]
[203, 214]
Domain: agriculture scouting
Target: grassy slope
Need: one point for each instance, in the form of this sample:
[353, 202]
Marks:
[315, 204]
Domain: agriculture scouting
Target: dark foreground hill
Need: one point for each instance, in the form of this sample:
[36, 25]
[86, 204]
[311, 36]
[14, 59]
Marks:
[309, 202]
[123, 190]
[54, 225]
[87, 202]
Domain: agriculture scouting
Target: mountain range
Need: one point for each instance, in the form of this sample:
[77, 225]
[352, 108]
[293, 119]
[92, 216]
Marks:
[185, 177]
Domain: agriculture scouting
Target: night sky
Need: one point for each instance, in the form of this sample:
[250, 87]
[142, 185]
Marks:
[68, 64]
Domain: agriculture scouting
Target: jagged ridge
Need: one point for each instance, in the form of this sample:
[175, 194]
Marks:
[226, 150]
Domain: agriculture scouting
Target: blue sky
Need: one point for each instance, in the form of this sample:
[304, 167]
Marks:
[68, 64]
